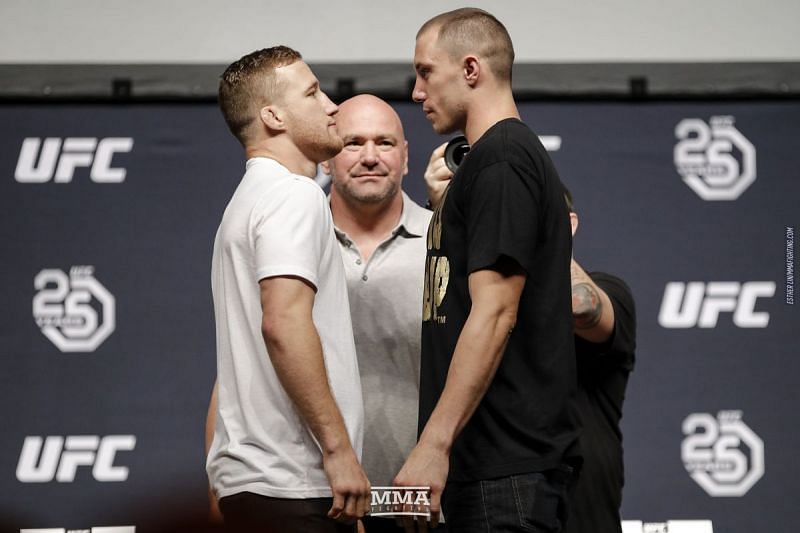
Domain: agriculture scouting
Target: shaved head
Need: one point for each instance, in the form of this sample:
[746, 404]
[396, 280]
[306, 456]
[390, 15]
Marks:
[369, 106]
[474, 31]
[370, 168]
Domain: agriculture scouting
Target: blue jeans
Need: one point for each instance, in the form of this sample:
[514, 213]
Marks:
[533, 502]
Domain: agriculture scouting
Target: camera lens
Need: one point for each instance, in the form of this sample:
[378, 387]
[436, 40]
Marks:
[455, 151]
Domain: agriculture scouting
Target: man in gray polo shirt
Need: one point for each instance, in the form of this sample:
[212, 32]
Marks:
[381, 235]
[381, 232]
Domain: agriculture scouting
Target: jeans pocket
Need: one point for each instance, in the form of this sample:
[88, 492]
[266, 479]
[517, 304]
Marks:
[537, 500]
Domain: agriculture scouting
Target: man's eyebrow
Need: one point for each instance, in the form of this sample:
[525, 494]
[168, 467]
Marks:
[312, 86]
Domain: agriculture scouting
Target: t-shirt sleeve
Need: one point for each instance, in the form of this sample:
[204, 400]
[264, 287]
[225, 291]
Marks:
[502, 214]
[622, 346]
[288, 233]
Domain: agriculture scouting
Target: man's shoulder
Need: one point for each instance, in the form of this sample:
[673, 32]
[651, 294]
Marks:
[416, 213]
[510, 133]
[509, 144]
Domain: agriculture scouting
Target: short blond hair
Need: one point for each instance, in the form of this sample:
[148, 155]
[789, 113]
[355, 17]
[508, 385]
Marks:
[249, 84]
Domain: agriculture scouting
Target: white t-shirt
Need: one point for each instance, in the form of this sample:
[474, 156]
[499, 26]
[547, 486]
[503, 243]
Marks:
[276, 224]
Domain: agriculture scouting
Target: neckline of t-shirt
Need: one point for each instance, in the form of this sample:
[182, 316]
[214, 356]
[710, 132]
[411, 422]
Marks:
[260, 159]
[496, 125]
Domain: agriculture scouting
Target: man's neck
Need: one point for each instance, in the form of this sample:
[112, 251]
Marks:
[483, 114]
[286, 154]
[366, 223]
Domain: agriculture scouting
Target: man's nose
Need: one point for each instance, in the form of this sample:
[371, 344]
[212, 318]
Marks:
[369, 154]
[418, 93]
[330, 108]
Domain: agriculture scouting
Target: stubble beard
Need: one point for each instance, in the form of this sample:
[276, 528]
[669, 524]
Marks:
[324, 146]
[317, 143]
[454, 122]
[352, 193]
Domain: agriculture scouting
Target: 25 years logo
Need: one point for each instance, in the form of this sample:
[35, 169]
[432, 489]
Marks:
[714, 159]
[723, 455]
[75, 312]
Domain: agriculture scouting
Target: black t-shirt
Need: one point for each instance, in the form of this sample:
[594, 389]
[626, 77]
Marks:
[505, 201]
[602, 377]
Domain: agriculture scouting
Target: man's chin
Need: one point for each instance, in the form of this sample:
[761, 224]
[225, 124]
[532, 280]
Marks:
[369, 195]
[329, 150]
[443, 129]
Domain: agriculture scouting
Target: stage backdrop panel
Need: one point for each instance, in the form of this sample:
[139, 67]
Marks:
[109, 215]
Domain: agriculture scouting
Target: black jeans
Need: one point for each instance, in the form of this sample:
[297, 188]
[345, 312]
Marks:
[533, 502]
[253, 513]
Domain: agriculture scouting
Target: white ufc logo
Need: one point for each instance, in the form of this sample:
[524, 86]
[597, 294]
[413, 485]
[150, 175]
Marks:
[42, 460]
[686, 305]
[58, 161]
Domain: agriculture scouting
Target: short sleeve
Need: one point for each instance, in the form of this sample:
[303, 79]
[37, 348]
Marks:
[502, 217]
[288, 231]
[622, 345]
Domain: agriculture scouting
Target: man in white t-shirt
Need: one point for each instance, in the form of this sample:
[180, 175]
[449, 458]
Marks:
[289, 426]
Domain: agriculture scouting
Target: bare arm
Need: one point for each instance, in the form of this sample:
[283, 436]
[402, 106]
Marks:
[214, 513]
[495, 299]
[295, 350]
[211, 417]
[592, 312]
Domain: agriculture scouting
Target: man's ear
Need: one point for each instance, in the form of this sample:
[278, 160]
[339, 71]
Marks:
[272, 118]
[405, 157]
[472, 70]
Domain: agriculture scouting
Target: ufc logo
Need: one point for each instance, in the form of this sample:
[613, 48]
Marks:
[686, 305]
[60, 458]
[58, 161]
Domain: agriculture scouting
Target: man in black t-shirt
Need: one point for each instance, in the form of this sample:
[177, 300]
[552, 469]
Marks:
[498, 370]
[605, 340]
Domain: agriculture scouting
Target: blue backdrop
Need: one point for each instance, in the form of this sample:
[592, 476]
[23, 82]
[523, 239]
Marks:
[109, 214]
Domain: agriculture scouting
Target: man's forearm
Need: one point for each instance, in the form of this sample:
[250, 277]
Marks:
[592, 312]
[296, 353]
[477, 355]
[211, 417]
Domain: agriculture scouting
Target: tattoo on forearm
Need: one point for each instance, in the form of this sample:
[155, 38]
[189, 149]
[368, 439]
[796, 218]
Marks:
[587, 308]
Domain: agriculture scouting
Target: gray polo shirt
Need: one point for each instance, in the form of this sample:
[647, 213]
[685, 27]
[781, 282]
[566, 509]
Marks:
[385, 296]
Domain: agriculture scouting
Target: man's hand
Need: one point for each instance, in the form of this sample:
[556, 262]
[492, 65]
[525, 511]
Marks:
[437, 176]
[426, 466]
[349, 484]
